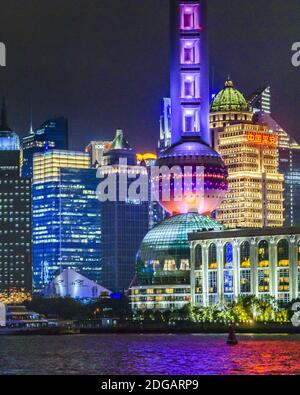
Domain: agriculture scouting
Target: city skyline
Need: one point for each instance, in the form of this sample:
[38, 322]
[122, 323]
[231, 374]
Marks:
[93, 96]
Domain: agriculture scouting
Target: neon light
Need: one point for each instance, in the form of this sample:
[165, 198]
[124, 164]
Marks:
[261, 138]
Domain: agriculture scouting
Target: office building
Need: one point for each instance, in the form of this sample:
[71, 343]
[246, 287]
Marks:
[66, 217]
[96, 150]
[124, 222]
[52, 134]
[228, 106]
[15, 215]
[255, 196]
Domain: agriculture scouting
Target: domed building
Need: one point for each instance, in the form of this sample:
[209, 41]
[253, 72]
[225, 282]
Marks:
[163, 262]
[227, 107]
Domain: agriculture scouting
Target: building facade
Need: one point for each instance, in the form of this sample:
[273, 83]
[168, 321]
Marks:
[52, 134]
[289, 166]
[124, 221]
[66, 217]
[163, 263]
[228, 106]
[96, 150]
[255, 196]
[15, 215]
[165, 125]
[232, 263]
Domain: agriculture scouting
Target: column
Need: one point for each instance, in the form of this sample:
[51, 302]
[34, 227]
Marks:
[193, 246]
[220, 275]
[235, 256]
[205, 273]
[273, 267]
[254, 265]
[293, 257]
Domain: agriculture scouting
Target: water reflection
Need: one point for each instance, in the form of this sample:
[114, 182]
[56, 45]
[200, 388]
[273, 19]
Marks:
[149, 354]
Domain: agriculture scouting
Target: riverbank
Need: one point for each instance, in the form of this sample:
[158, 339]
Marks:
[156, 329]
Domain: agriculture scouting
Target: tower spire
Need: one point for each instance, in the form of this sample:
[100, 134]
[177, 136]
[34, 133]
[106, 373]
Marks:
[189, 70]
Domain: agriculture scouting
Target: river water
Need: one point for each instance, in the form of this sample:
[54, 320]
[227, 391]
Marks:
[149, 354]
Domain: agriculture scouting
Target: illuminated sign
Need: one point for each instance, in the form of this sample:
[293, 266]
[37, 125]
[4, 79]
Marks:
[262, 138]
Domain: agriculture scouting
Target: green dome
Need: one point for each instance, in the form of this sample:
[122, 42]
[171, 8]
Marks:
[169, 239]
[229, 99]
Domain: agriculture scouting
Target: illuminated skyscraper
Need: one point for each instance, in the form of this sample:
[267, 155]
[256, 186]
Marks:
[255, 197]
[124, 222]
[260, 100]
[52, 134]
[66, 217]
[15, 214]
[156, 212]
[289, 166]
[165, 124]
[228, 106]
[96, 150]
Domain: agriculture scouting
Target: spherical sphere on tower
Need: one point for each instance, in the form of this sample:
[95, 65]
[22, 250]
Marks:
[192, 178]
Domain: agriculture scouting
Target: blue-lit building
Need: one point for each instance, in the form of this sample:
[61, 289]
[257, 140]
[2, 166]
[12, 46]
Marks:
[123, 223]
[52, 134]
[66, 217]
[15, 215]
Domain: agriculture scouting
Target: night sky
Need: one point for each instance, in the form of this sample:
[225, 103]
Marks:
[104, 63]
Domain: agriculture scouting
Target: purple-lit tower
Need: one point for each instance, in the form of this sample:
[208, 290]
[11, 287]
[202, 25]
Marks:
[190, 115]
[189, 69]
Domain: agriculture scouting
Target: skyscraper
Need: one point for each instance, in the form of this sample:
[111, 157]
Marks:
[96, 150]
[228, 106]
[165, 124]
[260, 100]
[15, 214]
[289, 166]
[52, 134]
[156, 212]
[66, 217]
[124, 222]
[255, 196]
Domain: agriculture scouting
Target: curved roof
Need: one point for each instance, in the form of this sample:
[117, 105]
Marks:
[229, 99]
[189, 146]
[169, 239]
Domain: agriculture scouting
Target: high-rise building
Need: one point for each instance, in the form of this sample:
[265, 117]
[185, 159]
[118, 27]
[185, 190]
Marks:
[289, 166]
[96, 150]
[15, 214]
[255, 197]
[228, 106]
[66, 217]
[165, 123]
[156, 212]
[124, 222]
[52, 134]
[260, 100]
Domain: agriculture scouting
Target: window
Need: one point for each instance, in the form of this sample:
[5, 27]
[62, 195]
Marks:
[190, 51]
[198, 258]
[189, 16]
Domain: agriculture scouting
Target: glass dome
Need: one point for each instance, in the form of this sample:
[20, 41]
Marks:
[229, 99]
[165, 249]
